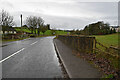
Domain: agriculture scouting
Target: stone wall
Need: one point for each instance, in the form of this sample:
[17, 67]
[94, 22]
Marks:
[82, 44]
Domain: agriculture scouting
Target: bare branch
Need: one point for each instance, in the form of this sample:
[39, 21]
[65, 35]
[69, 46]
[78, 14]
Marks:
[6, 19]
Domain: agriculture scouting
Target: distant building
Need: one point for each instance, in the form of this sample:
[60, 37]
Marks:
[8, 31]
[117, 28]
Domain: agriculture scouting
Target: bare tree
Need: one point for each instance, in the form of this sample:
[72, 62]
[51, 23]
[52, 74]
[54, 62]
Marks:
[35, 23]
[6, 19]
[29, 23]
[40, 24]
[32, 22]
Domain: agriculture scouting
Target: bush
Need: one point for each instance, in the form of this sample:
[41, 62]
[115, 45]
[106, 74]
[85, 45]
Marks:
[32, 35]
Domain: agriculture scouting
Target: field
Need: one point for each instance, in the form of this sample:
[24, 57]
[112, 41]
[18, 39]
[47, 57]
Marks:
[108, 40]
[61, 32]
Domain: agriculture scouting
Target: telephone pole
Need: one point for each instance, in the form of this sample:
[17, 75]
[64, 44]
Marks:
[21, 19]
[21, 25]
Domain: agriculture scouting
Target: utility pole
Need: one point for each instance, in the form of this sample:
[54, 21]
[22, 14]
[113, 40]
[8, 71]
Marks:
[21, 19]
[21, 25]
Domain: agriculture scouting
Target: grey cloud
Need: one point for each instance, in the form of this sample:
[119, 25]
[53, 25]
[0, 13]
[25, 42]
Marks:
[71, 14]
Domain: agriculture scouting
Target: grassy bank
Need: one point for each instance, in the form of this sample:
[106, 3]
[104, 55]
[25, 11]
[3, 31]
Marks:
[108, 40]
[108, 54]
[24, 30]
[48, 32]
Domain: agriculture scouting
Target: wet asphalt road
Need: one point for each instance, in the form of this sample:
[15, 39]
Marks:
[30, 58]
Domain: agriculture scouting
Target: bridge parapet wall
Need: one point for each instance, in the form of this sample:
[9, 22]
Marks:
[82, 44]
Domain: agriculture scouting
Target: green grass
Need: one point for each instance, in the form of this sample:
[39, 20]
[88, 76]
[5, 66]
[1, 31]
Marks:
[108, 40]
[25, 30]
[48, 32]
[107, 77]
[61, 32]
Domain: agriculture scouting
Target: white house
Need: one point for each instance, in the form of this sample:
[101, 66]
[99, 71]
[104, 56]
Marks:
[117, 28]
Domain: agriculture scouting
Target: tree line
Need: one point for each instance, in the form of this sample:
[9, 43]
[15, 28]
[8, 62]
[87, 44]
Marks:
[98, 28]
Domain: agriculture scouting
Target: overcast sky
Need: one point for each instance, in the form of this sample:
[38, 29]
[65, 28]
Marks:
[64, 14]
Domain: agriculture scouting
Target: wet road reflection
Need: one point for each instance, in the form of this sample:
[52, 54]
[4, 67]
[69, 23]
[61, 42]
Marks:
[35, 61]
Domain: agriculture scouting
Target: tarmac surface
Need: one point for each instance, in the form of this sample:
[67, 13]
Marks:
[30, 58]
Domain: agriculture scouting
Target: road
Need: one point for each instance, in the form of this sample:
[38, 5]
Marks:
[30, 58]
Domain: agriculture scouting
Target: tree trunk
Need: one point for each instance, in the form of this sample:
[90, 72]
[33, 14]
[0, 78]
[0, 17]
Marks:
[35, 31]
[32, 30]
[38, 32]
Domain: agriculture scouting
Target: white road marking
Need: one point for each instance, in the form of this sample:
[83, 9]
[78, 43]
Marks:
[34, 43]
[12, 55]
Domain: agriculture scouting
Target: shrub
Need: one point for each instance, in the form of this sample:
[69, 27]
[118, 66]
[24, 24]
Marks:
[32, 35]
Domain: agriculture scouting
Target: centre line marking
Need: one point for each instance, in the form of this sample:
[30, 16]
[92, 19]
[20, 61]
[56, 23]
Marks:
[34, 43]
[12, 55]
